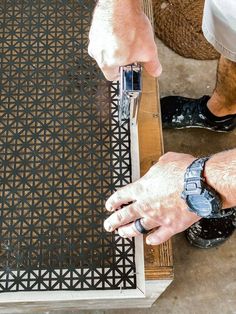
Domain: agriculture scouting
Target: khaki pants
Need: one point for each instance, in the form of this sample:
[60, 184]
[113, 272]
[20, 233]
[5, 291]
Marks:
[219, 26]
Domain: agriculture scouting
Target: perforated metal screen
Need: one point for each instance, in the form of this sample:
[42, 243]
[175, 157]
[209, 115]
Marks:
[62, 154]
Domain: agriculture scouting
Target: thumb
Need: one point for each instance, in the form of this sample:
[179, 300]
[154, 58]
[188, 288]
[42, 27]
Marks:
[153, 67]
[159, 236]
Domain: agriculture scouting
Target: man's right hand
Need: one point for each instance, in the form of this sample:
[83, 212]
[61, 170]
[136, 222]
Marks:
[121, 34]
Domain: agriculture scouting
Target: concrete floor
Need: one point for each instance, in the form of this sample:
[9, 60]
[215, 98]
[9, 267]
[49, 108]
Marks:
[205, 280]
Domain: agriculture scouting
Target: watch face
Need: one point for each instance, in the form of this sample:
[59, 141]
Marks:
[200, 205]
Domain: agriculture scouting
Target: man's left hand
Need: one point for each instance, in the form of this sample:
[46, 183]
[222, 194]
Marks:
[156, 199]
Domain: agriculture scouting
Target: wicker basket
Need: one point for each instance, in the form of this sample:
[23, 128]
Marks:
[178, 24]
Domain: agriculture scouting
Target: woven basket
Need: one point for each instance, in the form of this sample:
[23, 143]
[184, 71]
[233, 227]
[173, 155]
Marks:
[178, 23]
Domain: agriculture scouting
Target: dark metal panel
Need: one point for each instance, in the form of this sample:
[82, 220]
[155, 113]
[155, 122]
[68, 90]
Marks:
[62, 154]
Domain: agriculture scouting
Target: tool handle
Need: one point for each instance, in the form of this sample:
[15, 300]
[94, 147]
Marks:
[130, 90]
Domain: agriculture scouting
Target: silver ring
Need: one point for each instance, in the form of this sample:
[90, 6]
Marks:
[140, 227]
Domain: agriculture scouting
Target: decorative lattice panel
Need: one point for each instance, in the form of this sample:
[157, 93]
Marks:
[62, 154]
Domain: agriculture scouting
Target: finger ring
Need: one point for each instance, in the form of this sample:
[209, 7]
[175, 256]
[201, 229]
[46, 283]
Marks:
[140, 227]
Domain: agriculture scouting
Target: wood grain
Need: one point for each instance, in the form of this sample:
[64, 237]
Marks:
[158, 259]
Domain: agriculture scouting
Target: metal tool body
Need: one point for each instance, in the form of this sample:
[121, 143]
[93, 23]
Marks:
[130, 92]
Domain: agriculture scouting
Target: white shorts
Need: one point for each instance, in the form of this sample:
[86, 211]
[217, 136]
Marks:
[219, 26]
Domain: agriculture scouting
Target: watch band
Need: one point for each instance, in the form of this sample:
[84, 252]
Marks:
[195, 183]
[194, 175]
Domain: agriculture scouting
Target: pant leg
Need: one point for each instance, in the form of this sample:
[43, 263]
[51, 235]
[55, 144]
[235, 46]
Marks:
[219, 26]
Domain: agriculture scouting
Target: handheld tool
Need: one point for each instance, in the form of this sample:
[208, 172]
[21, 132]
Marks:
[130, 92]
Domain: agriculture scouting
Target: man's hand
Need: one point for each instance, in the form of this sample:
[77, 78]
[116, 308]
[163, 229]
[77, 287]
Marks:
[121, 34]
[156, 199]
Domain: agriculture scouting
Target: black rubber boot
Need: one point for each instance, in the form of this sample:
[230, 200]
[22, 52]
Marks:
[180, 112]
[211, 232]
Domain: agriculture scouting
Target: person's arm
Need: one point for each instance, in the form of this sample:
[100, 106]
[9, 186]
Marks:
[121, 34]
[220, 173]
[156, 197]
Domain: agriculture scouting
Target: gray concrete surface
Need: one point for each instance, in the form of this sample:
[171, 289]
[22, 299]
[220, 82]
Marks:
[205, 280]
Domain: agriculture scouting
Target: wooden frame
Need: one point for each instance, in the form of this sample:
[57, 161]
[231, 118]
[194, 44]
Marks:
[158, 259]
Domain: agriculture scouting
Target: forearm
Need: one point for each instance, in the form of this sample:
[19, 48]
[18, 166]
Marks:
[111, 8]
[119, 15]
[220, 173]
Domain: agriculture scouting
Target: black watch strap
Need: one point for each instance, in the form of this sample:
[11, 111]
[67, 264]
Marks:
[194, 183]
[200, 198]
[197, 167]
[194, 175]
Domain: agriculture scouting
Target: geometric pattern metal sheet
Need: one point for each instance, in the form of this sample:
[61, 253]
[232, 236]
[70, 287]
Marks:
[62, 154]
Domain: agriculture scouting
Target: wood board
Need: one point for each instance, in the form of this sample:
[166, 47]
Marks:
[158, 259]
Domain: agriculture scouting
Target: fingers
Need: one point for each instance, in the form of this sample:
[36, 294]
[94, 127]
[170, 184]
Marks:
[109, 69]
[153, 67]
[110, 73]
[110, 66]
[123, 196]
[150, 59]
[130, 230]
[159, 236]
[121, 217]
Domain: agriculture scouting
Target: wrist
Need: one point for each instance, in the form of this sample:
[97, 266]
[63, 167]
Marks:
[201, 198]
[219, 178]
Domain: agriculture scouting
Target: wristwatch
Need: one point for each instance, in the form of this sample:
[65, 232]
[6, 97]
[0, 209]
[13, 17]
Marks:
[201, 198]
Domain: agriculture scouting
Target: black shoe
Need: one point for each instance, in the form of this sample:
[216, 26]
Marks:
[180, 112]
[207, 233]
